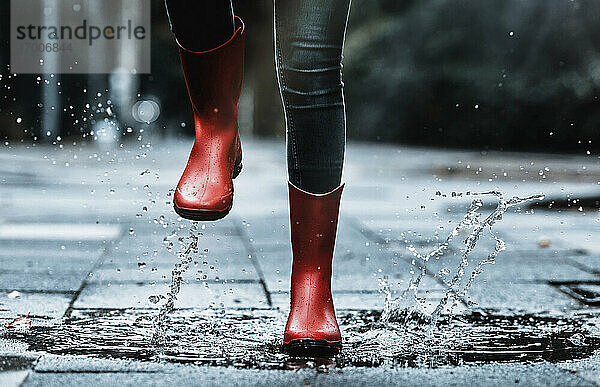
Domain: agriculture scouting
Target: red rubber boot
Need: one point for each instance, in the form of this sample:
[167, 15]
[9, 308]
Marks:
[214, 83]
[311, 327]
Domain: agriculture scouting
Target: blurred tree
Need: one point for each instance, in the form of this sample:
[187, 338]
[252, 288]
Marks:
[512, 74]
[522, 75]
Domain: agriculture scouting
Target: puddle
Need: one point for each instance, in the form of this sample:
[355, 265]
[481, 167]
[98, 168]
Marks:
[251, 339]
[401, 335]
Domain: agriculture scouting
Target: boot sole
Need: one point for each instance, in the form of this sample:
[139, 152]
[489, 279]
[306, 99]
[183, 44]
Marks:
[200, 215]
[312, 348]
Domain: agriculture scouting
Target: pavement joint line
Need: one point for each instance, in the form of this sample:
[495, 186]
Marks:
[28, 369]
[566, 289]
[573, 282]
[569, 251]
[557, 283]
[549, 282]
[25, 378]
[252, 253]
[581, 266]
[86, 280]
[371, 235]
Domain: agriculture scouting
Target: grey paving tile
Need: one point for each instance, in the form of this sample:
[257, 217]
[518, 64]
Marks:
[43, 305]
[589, 263]
[587, 369]
[13, 378]
[488, 375]
[46, 263]
[147, 270]
[194, 376]
[519, 268]
[42, 281]
[15, 246]
[136, 245]
[391, 204]
[31, 252]
[196, 295]
[68, 363]
[514, 267]
[529, 298]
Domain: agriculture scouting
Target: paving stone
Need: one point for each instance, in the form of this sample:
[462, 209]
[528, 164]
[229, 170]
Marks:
[588, 369]
[68, 363]
[134, 245]
[149, 270]
[487, 375]
[53, 247]
[589, 263]
[383, 211]
[529, 298]
[514, 267]
[193, 295]
[276, 264]
[193, 376]
[47, 306]
[41, 281]
[49, 262]
[13, 378]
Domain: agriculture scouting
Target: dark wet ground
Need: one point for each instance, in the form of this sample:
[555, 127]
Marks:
[250, 339]
[93, 250]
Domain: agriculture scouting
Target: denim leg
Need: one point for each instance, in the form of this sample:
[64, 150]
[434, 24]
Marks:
[309, 38]
[201, 25]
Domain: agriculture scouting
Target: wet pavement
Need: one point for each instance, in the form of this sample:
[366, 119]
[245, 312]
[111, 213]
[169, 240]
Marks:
[88, 242]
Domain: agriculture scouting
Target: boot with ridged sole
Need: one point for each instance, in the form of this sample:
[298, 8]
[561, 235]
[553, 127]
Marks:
[214, 83]
[312, 329]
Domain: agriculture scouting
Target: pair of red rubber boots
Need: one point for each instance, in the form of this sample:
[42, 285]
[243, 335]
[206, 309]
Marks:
[205, 192]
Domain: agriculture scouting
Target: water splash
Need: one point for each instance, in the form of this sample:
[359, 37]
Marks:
[408, 308]
[251, 339]
[189, 247]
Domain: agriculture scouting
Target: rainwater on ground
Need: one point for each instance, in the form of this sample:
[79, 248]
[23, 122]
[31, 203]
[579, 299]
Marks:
[251, 339]
[402, 334]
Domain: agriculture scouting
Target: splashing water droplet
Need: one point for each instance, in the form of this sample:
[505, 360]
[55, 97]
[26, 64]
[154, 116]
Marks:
[408, 307]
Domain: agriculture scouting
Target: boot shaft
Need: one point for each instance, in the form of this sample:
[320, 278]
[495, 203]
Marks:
[313, 224]
[214, 77]
[214, 82]
[314, 221]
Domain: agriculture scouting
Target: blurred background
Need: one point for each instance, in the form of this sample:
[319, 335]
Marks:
[510, 75]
